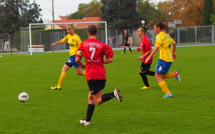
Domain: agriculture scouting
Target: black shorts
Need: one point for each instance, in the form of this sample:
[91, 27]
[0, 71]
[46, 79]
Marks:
[96, 85]
[145, 67]
[126, 44]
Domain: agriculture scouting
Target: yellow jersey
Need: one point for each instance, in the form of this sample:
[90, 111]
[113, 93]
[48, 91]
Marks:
[165, 42]
[74, 42]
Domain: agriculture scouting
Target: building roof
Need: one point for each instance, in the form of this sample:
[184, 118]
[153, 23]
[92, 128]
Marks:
[64, 19]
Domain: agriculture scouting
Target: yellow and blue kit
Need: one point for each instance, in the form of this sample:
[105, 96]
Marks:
[74, 42]
[164, 42]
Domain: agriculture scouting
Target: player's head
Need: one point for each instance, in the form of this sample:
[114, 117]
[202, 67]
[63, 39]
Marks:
[92, 30]
[159, 26]
[142, 31]
[125, 31]
[70, 28]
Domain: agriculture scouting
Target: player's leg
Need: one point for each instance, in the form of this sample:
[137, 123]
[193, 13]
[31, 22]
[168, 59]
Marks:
[79, 71]
[78, 68]
[62, 77]
[144, 79]
[143, 72]
[163, 85]
[161, 69]
[90, 110]
[124, 50]
[151, 73]
[96, 87]
[130, 49]
[101, 98]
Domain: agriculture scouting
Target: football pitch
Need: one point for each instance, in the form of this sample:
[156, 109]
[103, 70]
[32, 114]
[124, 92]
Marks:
[190, 111]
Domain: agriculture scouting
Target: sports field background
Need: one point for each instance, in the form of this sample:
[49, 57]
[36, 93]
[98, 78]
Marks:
[190, 111]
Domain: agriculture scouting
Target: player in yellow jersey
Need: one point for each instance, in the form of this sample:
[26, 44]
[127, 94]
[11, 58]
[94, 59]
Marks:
[74, 42]
[167, 48]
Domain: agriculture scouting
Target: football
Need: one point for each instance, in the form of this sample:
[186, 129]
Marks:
[23, 97]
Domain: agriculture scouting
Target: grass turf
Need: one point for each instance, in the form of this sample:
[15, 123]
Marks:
[191, 111]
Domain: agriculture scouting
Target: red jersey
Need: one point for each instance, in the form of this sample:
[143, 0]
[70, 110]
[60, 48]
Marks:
[93, 51]
[146, 46]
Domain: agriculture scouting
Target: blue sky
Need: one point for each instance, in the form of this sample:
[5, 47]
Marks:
[62, 7]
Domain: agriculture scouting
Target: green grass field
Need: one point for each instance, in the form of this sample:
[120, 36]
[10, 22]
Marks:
[191, 111]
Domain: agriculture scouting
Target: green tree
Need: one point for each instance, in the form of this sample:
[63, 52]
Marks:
[148, 12]
[18, 13]
[208, 12]
[91, 10]
[77, 15]
[119, 14]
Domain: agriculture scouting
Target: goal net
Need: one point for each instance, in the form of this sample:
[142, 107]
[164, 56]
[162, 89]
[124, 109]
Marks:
[38, 37]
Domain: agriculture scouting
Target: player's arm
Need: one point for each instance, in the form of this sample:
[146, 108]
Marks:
[55, 43]
[78, 59]
[152, 53]
[145, 55]
[64, 40]
[108, 60]
[139, 49]
[109, 55]
[173, 49]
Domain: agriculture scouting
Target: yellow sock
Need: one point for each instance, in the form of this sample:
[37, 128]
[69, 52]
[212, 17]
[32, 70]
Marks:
[61, 79]
[164, 87]
[84, 73]
[168, 75]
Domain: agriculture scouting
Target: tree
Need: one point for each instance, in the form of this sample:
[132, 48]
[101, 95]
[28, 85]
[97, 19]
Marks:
[77, 15]
[17, 13]
[87, 10]
[190, 12]
[208, 12]
[119, 14]
[91, 10]
[148, 12]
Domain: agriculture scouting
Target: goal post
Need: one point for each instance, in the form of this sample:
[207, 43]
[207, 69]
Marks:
[42, 35]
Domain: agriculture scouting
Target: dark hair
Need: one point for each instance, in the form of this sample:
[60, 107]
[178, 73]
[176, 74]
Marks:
[162, 26]
[92, 29]
[144, 29]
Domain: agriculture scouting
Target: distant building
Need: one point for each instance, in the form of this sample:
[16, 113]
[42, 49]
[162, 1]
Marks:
[64, 19]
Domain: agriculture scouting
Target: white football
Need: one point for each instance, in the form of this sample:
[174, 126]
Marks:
[23, 97]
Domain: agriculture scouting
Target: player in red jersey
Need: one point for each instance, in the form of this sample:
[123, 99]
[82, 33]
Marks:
[145, 47]
[93, 51]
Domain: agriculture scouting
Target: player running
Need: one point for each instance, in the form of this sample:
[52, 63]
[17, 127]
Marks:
[93, 51]
[167, 48]
[74, 42]
[145, 47]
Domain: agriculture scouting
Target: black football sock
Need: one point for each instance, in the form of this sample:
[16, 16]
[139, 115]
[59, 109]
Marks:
[144, 78]
[130, 49]
[107, 96]
[124, 50]
[150, 73]
[90, 110]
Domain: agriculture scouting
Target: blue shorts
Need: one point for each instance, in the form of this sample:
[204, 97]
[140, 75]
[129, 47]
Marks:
[163, 67]
[71, 61]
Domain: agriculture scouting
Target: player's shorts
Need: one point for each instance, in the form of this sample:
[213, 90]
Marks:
[145, 67]
[96, 85]
[126, 44]
[71, 62]
[163, 67]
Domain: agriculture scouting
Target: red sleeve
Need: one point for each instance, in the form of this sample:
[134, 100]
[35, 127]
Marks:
[147, 46]
[108, 51]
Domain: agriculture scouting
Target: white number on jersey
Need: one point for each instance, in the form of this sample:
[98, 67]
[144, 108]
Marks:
[93, 52]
